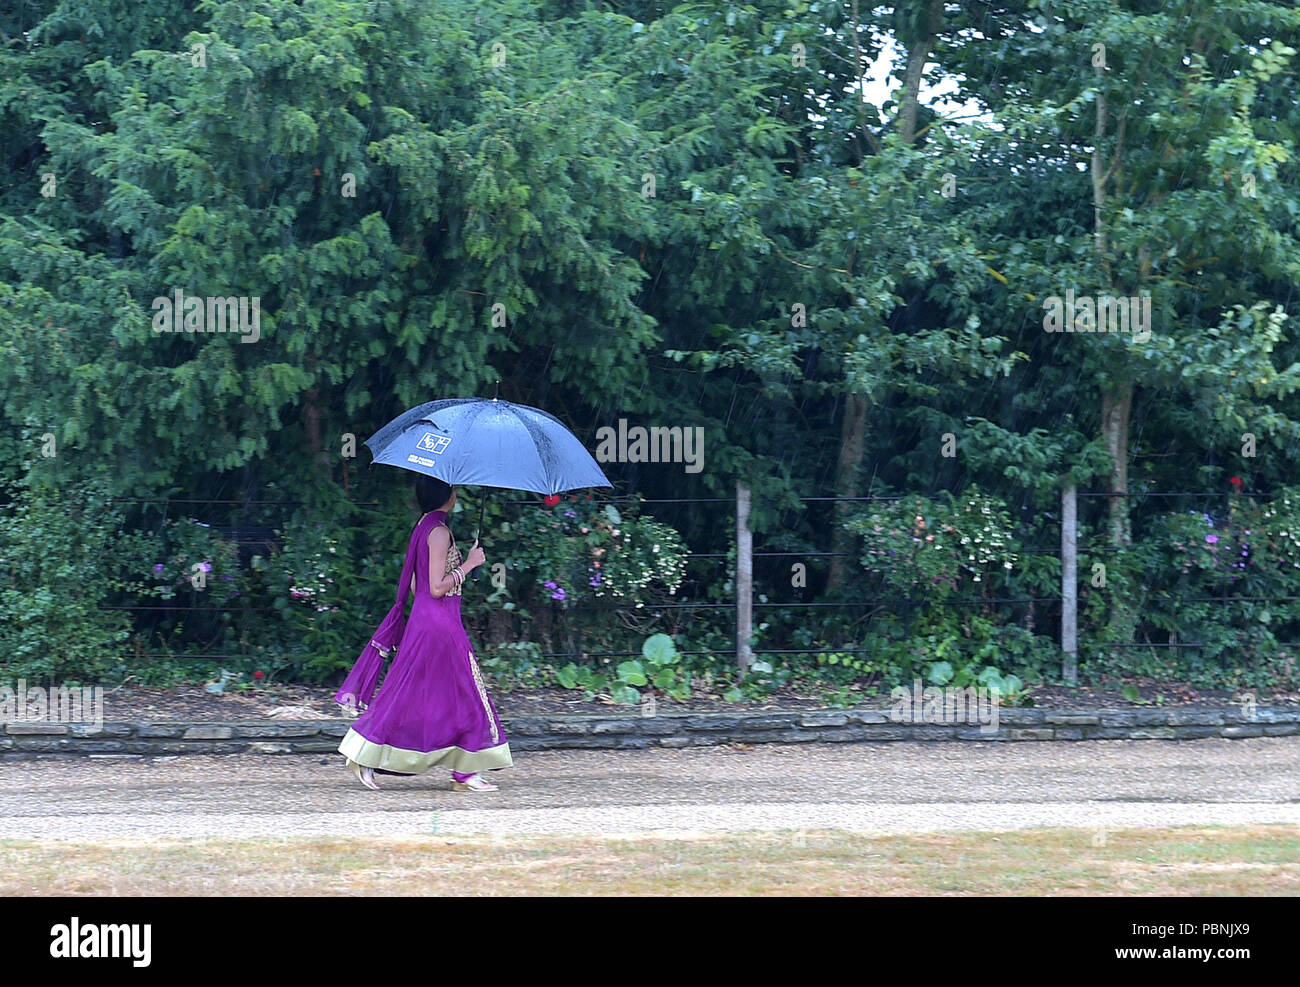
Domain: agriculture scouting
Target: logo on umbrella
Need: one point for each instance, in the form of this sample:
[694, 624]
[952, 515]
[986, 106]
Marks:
[432, 443]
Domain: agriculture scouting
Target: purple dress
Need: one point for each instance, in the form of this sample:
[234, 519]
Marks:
[433, 709]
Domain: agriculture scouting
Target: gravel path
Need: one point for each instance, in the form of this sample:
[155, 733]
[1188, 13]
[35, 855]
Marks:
[871, 788]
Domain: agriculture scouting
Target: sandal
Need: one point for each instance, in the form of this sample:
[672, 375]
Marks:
[364, 775]
[476, 783]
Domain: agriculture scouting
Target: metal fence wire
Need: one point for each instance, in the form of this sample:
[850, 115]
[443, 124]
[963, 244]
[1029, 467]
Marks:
[246, 534]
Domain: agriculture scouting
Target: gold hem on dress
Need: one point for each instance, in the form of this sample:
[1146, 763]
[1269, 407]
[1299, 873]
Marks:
[386, 758]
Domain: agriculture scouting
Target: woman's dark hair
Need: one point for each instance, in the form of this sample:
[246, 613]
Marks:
[431, 492]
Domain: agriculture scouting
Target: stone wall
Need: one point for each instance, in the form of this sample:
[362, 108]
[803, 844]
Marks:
[630, 731]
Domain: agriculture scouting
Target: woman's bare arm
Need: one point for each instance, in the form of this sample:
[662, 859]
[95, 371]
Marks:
[440, 582]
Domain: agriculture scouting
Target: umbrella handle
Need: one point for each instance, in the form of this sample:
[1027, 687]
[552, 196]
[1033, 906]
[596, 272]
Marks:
[478, 531]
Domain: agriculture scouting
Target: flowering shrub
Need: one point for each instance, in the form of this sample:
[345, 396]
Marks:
[194, 559]
[312, 587]
[1214, 583]
[307, 582]
[579, 550]
[916, 545]
[1280, 534]
[926, 551]
[1256, 546]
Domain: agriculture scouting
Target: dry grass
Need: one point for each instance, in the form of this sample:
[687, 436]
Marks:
[1238, 860]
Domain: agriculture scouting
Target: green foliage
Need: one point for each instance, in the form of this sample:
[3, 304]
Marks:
[658, 667]
[1008, 688]
[656, 212]
[661, 669]
[515, 665]
[60, 565]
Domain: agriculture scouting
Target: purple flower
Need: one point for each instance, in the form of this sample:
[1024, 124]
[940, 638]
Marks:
[570, 514]
[595, 580]
[549, 584]
[205, 567]
[227, 576]
[158, 567]
[1212, 539]
[558, 595]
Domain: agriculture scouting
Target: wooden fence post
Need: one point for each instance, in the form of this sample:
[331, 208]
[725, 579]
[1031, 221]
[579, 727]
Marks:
[1070, 583]
[744, 578]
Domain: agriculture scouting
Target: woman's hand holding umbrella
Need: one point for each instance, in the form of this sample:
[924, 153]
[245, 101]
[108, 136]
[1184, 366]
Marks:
[475, 558]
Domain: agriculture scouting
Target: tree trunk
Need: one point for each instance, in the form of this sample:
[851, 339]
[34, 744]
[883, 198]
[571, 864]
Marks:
[1116, 400]
[853, 431]
[311, 425]
[1116, 405]
[917, 54]
[542, 615]
[500, 626]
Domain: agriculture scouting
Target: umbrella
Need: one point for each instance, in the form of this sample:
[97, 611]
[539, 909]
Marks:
[488, 442]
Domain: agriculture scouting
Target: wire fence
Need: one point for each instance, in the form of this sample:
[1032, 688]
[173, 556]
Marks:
[904, 605]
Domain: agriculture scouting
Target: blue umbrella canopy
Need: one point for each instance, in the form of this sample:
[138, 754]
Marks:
[488, 442]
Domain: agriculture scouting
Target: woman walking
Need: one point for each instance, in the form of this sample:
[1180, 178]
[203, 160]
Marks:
[433, 709]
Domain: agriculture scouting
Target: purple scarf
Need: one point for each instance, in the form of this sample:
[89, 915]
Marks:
[359, 687]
